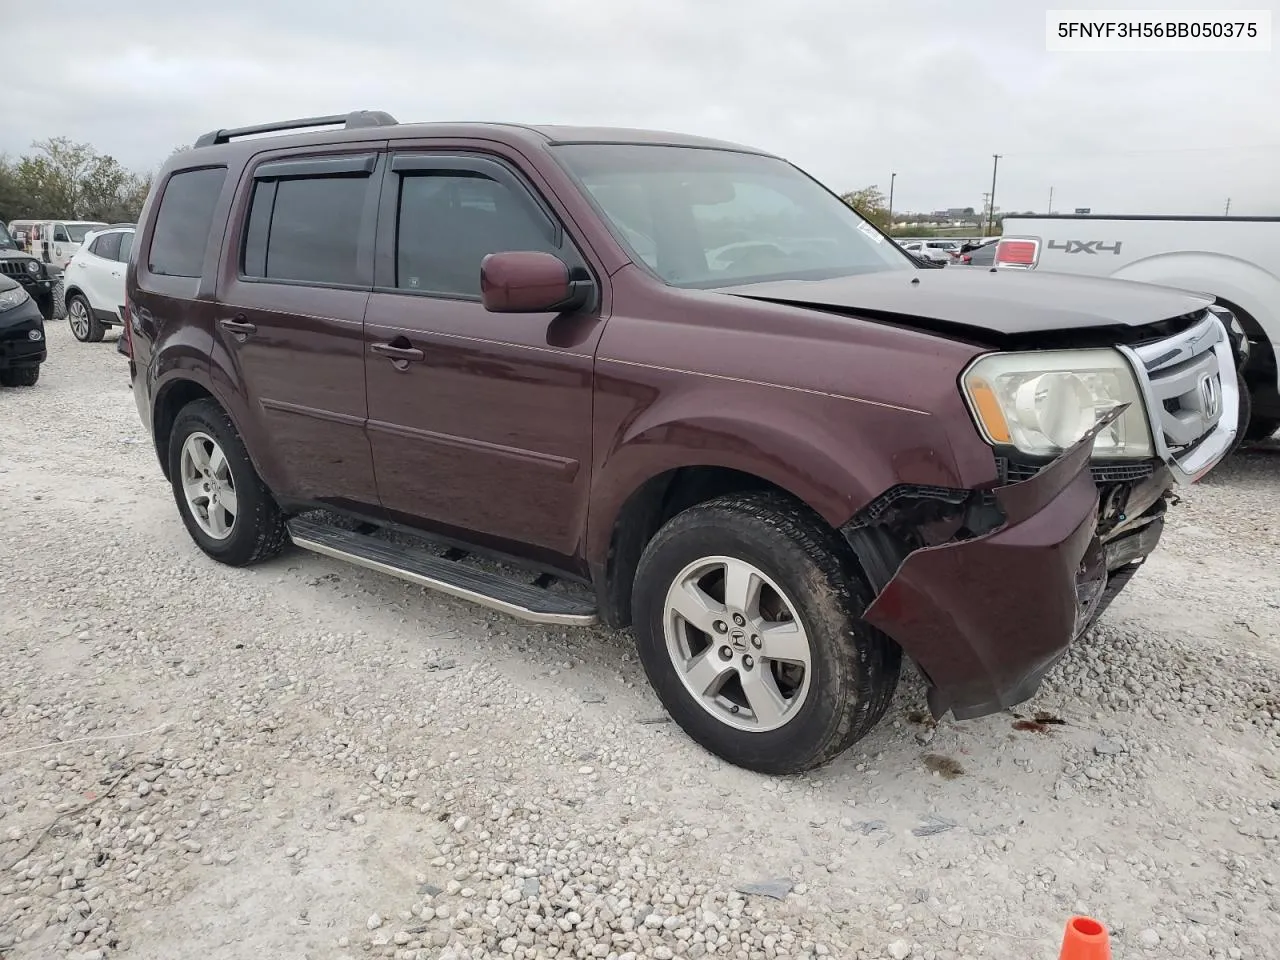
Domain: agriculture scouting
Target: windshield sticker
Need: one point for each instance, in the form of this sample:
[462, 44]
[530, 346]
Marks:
[871, 232]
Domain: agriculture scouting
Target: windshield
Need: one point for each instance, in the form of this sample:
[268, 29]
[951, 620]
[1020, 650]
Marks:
[5, 239]
[78, 230]
[709, 218]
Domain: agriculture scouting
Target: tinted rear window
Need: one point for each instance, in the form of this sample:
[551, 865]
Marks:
[184, 222]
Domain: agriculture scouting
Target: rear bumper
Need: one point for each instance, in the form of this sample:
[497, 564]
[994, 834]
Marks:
[986, 618]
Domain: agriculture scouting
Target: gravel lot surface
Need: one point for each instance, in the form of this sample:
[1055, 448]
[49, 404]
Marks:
[307, 760]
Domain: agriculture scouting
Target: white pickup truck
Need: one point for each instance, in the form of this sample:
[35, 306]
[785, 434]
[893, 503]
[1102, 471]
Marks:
[1235, 259]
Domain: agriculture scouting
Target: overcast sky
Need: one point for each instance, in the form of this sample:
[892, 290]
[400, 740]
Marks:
[850, 91]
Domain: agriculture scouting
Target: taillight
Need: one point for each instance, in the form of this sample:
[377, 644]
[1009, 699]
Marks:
[1017, 253]
[128, 327]
[965, 258]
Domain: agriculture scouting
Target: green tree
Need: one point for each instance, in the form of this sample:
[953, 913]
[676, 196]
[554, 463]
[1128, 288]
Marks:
[11, 204]
[66, 180]
[871, 203]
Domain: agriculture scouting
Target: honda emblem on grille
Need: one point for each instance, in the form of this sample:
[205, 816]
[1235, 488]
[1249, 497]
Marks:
[1211, 395]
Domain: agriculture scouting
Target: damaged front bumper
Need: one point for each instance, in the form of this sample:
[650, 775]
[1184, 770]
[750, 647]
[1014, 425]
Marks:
[986, 617]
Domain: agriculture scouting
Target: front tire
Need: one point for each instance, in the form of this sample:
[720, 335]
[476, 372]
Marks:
[85, 327]
[1261, 428]
[224, 504]
[24, 376]
[748, 624]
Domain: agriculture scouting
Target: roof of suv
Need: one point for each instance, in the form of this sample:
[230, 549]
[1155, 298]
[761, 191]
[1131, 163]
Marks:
[364, 125]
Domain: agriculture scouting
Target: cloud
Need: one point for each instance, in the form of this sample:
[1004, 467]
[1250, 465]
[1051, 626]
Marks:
[852, 92]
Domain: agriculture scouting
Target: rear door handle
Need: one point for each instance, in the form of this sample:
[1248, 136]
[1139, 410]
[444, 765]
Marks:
[238, 325]
[397, 353]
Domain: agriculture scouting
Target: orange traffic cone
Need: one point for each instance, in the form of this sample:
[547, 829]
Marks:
[1085, 939]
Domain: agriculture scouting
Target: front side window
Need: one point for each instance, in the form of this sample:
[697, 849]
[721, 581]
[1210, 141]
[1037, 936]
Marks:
[184, 222]
[450, 220]
[708, 218]
[305, 229]
[60, 234]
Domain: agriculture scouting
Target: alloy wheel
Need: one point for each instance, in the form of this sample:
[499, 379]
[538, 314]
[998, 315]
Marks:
[208, 486]
[79, 318]
[737, 644]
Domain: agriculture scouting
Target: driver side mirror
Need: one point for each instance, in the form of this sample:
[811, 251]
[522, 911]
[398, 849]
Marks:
[530, 281]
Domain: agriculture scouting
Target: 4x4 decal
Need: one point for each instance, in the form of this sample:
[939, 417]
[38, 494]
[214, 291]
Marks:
[1085, 246]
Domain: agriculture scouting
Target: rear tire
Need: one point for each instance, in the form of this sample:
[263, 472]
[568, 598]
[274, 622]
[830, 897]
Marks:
[830, 677]
[224, 504]
[85, 327]
[24, 376]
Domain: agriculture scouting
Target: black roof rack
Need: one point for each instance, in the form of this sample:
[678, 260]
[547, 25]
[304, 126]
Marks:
[349, 121]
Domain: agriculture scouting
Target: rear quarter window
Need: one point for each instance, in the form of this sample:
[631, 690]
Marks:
[305, 229]
[184, 222]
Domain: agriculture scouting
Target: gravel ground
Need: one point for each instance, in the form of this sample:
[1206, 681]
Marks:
[307, 760]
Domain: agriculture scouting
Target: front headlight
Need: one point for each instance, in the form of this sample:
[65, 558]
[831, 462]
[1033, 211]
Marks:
[33, 267]
[1044, 401]
[13, 298]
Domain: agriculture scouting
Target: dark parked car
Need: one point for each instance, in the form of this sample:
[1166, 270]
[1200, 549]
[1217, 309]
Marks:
[22, 346]
[43, 281]
[685, 387]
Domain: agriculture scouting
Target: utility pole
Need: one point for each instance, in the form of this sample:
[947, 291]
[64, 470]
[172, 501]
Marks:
[892, 177]
[1228, 210]
[1051, 199]
[991, 210]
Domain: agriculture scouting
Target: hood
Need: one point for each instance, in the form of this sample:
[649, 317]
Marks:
[8, 253]
[1007, 303]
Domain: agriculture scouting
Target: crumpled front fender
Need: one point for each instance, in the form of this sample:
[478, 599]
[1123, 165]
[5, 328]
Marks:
[984, 618]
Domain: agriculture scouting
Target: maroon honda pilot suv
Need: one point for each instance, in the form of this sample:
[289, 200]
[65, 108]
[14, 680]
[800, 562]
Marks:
[669, 383]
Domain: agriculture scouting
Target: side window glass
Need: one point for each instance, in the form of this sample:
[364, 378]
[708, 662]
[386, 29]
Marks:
[60, 234]
[450, 220]
[126, 247]
[184, 222]
[305, 229]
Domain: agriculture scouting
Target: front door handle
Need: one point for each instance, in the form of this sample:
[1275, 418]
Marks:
[239, 326]
[396, 352]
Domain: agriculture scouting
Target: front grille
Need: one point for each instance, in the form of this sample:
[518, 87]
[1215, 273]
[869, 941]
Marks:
[1189, 387]
[1185, 382]
[18, 270]
[1012, 471]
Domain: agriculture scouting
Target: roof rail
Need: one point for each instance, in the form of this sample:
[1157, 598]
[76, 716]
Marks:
[349, 121]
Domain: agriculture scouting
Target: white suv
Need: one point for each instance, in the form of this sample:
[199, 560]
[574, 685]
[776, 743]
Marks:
[94, 282]
[939, 251]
